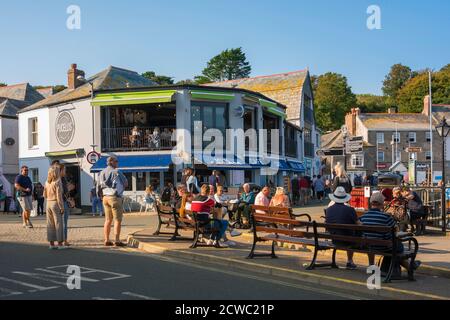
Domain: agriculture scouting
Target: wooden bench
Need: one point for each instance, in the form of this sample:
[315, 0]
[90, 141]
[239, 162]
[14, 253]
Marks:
[277, 229]
[279, 212]
[170, 217]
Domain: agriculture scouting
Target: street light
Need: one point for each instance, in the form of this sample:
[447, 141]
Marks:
[443, 129]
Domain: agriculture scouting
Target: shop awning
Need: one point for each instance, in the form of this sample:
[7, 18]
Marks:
[284, 165]
[222, 163]
[211, 95]
[144, 163]
[65, 153]
[127, 98]
[296, 166]
[272, 107]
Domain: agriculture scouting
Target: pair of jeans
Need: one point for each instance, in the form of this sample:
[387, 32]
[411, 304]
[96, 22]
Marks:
[97, 205]
[66, 218]
[220, 226]
[40, 206]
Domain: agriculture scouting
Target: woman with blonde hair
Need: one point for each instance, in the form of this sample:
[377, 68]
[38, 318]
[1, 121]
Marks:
[341, 179]
[53, 194]
[280, 199]
[185, 208]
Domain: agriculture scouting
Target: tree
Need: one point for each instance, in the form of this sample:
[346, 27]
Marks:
[3, 84]
[369, 103]
[187, 81]
[333, 99]
[56, 89]
[395, 80]
[228, 65]
[159, 79]
[410, 97]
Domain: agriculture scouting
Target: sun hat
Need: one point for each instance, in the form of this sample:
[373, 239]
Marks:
[340, 196]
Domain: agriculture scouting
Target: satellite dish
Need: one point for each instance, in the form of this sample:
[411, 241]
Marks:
[10, 141]
[239, 111]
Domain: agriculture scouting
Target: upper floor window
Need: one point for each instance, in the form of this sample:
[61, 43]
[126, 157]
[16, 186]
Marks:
[396, 137]
[428, 136]
[209, 115]
[307, 110]
[357, 160]
[428, 155]
[34, 175]
[380, 155]
[412, 137]
[33, 139]
[380, 137]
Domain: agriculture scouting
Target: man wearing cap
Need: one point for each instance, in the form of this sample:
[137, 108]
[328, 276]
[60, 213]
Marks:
[340, 213]
[376, 217]
[113, 184]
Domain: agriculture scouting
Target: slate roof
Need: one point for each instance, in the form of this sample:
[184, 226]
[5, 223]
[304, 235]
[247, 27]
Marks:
[393, 121]
[21, 92]
[110, 78]
[285, 88]
[334, 140]
[440, 111]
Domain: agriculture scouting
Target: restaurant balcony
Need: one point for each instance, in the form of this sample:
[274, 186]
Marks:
[140, 139]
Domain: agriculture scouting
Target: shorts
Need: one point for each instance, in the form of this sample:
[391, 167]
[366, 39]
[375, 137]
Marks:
[113, 208]
[26, 203]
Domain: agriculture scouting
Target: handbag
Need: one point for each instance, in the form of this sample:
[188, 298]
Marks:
[33, 213]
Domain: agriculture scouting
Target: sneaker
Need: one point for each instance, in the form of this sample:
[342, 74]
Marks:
[209, 242]
[29, 225]
[52, 247]
[219, 244]
[63, 247]
[235, 233]
[229, 243]
[350, 266]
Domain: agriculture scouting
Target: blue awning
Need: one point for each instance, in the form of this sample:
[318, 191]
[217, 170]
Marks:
[296, 166]
[143, 163]
[283, 165]
[228, 163]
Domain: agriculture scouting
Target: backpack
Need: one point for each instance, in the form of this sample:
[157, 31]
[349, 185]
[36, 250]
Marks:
[165, 196]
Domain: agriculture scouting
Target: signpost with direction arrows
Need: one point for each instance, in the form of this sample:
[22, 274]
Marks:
[354, 145]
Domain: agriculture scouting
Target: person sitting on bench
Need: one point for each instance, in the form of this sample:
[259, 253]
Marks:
[340, 213]
[203, 206]
[376, 217]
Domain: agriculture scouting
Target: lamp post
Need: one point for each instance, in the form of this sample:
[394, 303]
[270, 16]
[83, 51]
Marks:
[443, 129]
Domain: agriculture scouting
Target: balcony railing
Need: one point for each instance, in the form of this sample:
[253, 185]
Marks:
[142, 139]
[309, 149]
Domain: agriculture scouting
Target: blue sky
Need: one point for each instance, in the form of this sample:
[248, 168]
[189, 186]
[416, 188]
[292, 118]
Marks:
[177, 37]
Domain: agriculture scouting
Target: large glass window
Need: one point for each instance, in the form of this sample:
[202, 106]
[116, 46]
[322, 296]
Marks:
[380, 137]
[141, 182]
[129, 176]
[212, 115]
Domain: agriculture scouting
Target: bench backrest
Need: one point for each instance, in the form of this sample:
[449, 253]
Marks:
[281, 225]
[272, 211]
[323, 233]
[164, 210]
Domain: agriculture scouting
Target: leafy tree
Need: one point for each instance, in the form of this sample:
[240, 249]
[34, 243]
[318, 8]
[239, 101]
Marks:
[56, 89]
[333, 99]
[159, 79]
[187, 81]
[228, 65]
[369, 103]
[395, 80]
[410, 97]
[3, 84]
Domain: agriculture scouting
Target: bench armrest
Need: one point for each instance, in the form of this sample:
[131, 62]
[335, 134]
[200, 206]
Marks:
[300, 215]
[402, 234]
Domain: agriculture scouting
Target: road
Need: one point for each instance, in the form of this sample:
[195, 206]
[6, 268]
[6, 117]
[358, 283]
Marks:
[35, 272]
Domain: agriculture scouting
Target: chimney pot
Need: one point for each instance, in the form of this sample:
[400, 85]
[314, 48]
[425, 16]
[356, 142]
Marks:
[72, 77]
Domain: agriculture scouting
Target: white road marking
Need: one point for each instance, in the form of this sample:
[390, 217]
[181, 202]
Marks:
[135, 295]
[44, 277]
[65, 275]
[29, 285]
[100, 298]
[9, 292]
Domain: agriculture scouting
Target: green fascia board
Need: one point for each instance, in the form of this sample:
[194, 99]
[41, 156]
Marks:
[212, 95]
[267, 103]
[277, 112]
[77, 152]
[127, 98]
[251, 98]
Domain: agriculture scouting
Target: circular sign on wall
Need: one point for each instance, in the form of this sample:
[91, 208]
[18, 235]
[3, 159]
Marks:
[93, 157]
[65, 128]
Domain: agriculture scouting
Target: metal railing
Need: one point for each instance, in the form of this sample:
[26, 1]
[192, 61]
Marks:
[309, 149]
[142, 139]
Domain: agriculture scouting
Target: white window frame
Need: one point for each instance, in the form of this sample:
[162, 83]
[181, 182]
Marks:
[428, 155]
[357, 160]
[380, 137]
[380, 153]
[396, 137]
[428, 136]
[34, 173]
[412, 136]
[33, 135]
[413, 156]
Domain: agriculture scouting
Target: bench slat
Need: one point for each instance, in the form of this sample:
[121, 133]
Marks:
[266, 218]
[289, 232]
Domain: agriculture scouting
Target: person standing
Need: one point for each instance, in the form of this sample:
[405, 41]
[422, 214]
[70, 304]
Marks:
[319, 187]
[53, 193]
[38, 195]
[24, 188]
[113, 184]
[295, 190]
[342, 180]
[192, 182]
[62, 174]
[96, 201]
[304, 190]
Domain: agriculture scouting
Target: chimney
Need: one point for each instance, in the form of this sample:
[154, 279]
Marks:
[72, 74]
[426, 105]
[392, 110]
[350, 120]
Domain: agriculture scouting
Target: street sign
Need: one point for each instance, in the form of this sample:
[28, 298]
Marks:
[354, 145]
[413, 149]
[92, 157]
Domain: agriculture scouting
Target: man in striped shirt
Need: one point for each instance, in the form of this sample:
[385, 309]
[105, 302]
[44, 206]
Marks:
[376, 217]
